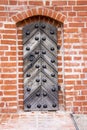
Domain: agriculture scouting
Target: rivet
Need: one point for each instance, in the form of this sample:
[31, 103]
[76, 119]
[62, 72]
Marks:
[52, 49]
[43, 52]
[53, 75]
[28, 89]
[36, 38]
[36, 52]
[29, 106]
[54, 105]
[27, 48]
[44, 66]
[37, 66]
[28, 32]
[44, 80]
[39, 105]
[38, 94]
[31, 57]
[44, 94]
[52, 32]
[36, 26]
[28, 75]
[52, 60]
[37, 80]
[44, 106]
[43, 26]
[53, 89]
[43, 38]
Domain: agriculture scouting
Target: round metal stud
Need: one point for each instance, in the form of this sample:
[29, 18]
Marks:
[44, 80]
[53, 75]
[43, 26]
[36, 25]
[43, 38]
[28, 106]
[39, 105]
[27, 48]
[52, 32]
[36, 52]
[31, 57]
[37, 66]
[37, 80]
[28, 32]
[38, 94]
[52, 49]
[36, 38]
[43, 52]
[28, 89]
[52, 60]
[28, 75]
[53, 89]
[54, 105]
[44, 66]
[44, 106]
[44, 94]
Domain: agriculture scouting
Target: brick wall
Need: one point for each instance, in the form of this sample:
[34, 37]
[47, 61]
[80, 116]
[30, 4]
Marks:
[72, 57]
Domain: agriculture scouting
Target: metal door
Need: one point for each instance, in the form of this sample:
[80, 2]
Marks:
[40, 67]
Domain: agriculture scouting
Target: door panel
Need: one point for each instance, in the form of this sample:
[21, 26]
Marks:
[40, 67]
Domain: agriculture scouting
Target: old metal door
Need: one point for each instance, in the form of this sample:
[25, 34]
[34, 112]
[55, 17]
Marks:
[40, 67]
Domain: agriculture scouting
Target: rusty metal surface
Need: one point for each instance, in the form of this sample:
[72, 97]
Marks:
[40, 67]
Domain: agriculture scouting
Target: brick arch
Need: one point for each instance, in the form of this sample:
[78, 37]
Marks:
[41, 11]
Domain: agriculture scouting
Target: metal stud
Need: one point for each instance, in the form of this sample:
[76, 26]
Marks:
[53, 75]
[52, 32]
[52, 60]
[44, 94]
[43, 38]
[37, 80]
[39, 105]
[31, 57]
[54, 105]
[28, 32]
[44, 106]
[36, 52]
[28, 75]
[27, 48]
[37, 66]
[44, 80]
[52, 49]
[28, 106]
[43, 26]
[44, 66]
[43, 52]
[36, 26]
[28, 89]
[36, 38]
[53, 89]
[38, 94]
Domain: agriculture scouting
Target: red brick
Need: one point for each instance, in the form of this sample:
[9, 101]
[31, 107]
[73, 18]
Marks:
[3, 2]
[36, 3]
[8, 64]
[8, 87]
[80, 98]
[76, 24]
[10, 93]
[82, 13]
[8, 75]
[11, 42]
[13, 2]
[80, 8]
[83, 2]
[55, 3]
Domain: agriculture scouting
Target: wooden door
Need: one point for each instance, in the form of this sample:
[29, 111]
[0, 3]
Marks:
[40, 67]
